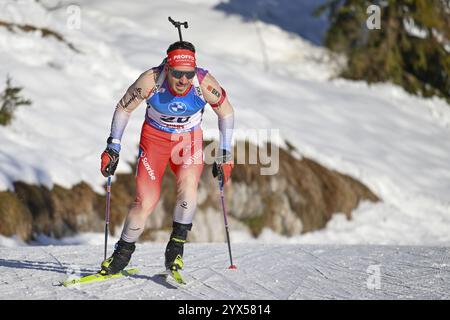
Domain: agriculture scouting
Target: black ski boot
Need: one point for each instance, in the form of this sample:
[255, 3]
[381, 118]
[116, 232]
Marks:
[175, 247]
[119, 259]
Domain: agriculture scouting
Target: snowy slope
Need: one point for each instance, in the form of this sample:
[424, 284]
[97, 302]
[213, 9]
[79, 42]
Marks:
[264, 272]
[397, 144]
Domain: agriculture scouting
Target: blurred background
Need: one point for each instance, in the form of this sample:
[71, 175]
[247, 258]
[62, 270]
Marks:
[357, 92]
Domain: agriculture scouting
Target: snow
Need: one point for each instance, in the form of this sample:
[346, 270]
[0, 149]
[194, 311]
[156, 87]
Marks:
[84, 238]
[264, 272]
[395, 143]
[379, 223]
[292, 16]
[12, 242]
[413, 29]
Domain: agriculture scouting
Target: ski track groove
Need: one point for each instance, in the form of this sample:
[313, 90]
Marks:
[203, 281]
[235, 285]
[198, 282]
[271, 292]
[341, 275]
[209, 276]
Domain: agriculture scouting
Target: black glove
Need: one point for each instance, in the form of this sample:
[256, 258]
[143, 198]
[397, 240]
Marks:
[223, 165]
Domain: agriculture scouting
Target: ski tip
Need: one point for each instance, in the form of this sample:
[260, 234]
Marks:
[69, 282]
[232, 267]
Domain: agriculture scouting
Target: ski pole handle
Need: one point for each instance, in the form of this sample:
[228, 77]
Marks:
[220, 177]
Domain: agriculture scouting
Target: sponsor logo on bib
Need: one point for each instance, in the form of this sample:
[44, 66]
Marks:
[177, 108]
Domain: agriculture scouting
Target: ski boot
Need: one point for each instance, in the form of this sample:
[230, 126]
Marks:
[119, 259]
[177, 264]
[175, 247]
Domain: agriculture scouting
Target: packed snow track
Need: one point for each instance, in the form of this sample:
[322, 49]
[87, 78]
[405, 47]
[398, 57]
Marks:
[263, 272]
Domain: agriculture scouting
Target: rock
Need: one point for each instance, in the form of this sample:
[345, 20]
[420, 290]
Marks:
[301, 197]
[15, 217]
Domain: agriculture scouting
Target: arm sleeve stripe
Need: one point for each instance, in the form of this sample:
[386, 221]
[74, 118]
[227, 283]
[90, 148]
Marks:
[222, 98]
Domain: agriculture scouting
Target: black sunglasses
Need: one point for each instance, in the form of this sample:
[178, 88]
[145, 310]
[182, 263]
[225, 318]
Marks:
[179, 74]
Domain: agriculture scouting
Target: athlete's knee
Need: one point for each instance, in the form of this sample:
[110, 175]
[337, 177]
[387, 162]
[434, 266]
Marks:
[187, 186]
[149, 203]
[146, 205]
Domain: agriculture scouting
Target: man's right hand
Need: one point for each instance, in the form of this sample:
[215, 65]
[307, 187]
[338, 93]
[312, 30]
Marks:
[110, 160]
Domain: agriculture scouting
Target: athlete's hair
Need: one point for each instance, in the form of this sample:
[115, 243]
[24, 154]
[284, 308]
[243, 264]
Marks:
[181, 45]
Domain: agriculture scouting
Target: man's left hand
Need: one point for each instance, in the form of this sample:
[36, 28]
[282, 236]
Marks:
[223, 166]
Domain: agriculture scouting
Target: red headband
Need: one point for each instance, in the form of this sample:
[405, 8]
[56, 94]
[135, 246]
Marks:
[181, 57]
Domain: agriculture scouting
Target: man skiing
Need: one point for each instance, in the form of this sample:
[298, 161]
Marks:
[176, 93]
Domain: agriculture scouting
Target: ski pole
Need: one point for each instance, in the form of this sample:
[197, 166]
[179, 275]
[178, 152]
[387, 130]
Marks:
[222, 197]
[108, 200]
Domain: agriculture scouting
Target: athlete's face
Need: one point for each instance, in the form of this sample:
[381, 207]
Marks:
[180, 78]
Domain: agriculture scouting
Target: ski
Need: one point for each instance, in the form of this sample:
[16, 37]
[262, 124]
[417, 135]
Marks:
[173, 274]
[98, 277]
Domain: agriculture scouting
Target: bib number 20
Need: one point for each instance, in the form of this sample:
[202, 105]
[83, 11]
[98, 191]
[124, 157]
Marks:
[175, 119]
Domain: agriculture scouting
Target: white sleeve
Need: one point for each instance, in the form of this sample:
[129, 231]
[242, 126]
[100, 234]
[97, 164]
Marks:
[226, 126]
